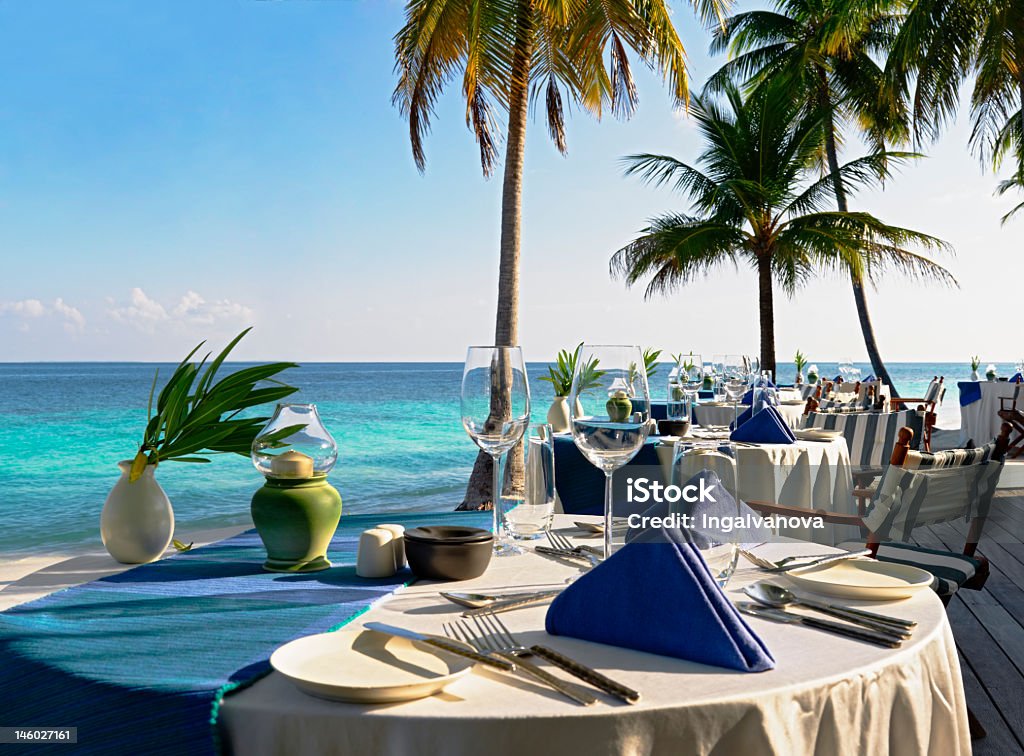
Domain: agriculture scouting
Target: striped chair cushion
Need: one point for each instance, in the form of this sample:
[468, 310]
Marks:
[870, 436]
[932, 488]
[935, 392]
[951, 570]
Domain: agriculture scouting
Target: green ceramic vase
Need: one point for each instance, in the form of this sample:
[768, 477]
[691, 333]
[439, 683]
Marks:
[619, 407]
[296, 520]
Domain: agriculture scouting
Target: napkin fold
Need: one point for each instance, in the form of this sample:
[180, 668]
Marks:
[838, 379]
[657, 595]
[766, 427]
[1017, 378]
[870, 379]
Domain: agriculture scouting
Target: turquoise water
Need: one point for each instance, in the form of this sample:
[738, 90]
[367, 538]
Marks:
[64, 426]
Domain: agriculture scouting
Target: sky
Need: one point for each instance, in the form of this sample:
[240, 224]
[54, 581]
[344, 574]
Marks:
[176, 170]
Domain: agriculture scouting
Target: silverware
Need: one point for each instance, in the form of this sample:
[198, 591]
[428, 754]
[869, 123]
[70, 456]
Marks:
[781, 596]
[589, 675]
[478, 600]
[444, 644]
[787, 564]
[778, 597]
[561, 542]
[462, 630]
[781, 615]
[588, 558]
[507, 606]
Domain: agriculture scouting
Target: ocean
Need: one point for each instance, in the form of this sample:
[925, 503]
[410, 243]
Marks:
[64, 427]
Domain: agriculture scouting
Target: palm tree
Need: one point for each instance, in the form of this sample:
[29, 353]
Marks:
[756, 202]
[1016, 182]
[939, 44]
[827, 49]
[509, 53]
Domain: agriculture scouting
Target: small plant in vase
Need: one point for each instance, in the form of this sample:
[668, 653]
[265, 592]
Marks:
[975, 364]
[812, 374]
[800, 362]
[195, 414]
[560, 377]
[991, 372]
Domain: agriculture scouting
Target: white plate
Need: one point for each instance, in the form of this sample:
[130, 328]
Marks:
[863, 579]
[817, 434]
[362, 666]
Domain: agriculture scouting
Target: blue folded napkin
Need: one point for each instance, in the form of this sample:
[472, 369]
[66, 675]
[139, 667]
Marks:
[766, 427]
[1017, 378]
[838, 379]
[705, 531]
[657, 595]
[742, 418]
[870, 379]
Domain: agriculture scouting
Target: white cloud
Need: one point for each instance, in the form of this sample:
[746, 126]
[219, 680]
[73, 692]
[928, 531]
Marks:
[33, 309]
[145, 312]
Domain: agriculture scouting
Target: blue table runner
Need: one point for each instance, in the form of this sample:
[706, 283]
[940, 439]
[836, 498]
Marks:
[140, 661]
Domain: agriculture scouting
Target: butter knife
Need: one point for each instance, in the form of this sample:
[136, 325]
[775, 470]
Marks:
[780, 615]
[444, 644]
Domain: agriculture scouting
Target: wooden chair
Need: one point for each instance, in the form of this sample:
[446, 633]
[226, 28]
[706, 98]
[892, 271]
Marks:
[925, 405]
[922, 488]
[1014, 415]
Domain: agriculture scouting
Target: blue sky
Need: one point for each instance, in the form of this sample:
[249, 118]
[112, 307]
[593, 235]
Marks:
[174, 171]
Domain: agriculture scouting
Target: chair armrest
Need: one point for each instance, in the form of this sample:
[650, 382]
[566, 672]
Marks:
[766, 507]
[863, 493]
[908, 400]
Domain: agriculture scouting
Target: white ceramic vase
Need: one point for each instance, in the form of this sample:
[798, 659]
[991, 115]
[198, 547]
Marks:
[558, 414]
[975, 375]
[137, 521]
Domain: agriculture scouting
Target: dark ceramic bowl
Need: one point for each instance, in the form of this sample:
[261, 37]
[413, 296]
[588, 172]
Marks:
[673, 427]
[448, 552]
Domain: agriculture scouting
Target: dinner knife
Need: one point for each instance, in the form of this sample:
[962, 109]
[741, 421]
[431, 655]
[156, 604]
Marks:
[444, 644]
[780, 615]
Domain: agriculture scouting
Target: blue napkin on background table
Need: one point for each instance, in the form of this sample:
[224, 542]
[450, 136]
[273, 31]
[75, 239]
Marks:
[766, 427]
[870, 379]
[657, 595]
[1017, 378]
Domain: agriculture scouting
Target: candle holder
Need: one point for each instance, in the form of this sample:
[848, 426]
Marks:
[296, 511]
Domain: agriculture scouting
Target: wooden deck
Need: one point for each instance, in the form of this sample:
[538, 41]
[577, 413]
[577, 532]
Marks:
[989, 624]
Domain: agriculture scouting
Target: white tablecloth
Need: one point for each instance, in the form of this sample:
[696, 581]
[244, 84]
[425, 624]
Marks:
[979, 420]
[809, 474]
[827, 695]
[707, 415]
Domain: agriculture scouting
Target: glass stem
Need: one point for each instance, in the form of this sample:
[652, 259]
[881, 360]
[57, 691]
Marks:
[496, 497]
[608, 513]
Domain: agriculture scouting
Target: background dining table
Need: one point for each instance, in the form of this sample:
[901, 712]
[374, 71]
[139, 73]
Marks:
[711, 414]
[827, 695]
[980, 402]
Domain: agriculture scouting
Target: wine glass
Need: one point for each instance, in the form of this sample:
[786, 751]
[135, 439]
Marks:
[609, 407]
[734, 380]
[495, 413]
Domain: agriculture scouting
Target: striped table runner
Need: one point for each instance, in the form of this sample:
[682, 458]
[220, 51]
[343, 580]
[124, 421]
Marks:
[140, 661]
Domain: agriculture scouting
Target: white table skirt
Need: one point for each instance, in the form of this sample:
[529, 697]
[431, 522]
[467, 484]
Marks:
[980, 419]
[827, 695]
[707, 415]
[808, 474]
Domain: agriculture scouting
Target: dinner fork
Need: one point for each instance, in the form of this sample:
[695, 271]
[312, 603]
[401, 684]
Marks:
[785, 565]
[561, 542]
[462, 630]
[495, 629]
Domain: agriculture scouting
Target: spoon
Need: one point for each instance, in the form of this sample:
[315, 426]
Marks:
[480, 600]
[778, 597]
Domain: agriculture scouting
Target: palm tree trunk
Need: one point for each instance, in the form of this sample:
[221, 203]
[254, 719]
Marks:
[506, 329]
[859, 295]
[766, 298]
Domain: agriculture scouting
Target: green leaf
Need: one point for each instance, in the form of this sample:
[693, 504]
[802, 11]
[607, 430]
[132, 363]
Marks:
[179, 546]
[138, 466]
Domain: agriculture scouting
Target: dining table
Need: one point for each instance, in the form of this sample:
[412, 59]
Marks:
[827, 694]
[719, 414]
[808, 474]
[980, 402]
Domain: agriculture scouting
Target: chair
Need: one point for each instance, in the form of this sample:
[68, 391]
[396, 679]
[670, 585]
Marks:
[1014, 415]
[926, 405]
[924, 488]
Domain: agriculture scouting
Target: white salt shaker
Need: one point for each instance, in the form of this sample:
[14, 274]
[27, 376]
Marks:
[398, 543]
[375, 557]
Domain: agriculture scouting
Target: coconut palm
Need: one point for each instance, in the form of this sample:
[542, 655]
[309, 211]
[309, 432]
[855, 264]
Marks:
[828, 50]
[939, 44]
[757, 201]
[509, 53]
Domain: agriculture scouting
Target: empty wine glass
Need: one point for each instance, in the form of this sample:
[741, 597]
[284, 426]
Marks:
[609, 406]
[495, 413]
[734, 381]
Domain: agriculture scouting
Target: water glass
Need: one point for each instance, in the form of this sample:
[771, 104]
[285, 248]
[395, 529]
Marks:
[712, 531]
[529, 504]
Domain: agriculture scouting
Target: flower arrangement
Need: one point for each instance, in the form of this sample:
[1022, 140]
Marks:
[562, 374]
[197, 414]
[991, 372]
